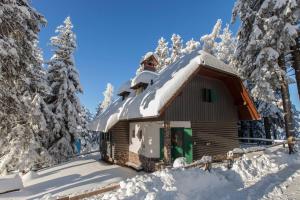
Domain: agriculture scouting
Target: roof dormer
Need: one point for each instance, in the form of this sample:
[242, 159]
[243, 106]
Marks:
[149, 62]
[125, 90]
[142, 80]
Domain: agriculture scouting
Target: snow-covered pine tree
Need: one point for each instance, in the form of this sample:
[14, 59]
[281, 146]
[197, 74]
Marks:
[65, 86]
[209, 40]
[86, 135]
[296, 61]
[176, 49]
[191, 45]
[267, 32]
[23, 112]
[162, 51]
[296, 114]
[224, 49]
[108, 96]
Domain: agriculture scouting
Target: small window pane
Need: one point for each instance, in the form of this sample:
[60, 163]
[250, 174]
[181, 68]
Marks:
[140, 134]
[208, 95]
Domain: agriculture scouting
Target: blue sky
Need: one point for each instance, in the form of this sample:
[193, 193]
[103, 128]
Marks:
[112, 35]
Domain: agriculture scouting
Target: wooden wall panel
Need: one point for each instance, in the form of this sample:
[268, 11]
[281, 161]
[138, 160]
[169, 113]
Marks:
[120, 142]
[214, 138]
[189, 106]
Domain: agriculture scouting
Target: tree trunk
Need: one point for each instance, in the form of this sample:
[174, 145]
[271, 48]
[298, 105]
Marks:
[296, 64]
[288, 116]
[267, 126]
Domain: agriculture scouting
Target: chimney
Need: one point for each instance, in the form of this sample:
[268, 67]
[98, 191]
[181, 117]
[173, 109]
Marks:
[149, 62]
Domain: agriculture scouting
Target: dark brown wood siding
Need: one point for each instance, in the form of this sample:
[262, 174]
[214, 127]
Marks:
[189, 106]
[214, 124]
[213, 138]
[120, 142]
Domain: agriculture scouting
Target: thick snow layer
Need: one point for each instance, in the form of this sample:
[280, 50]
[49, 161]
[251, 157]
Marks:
[148, 55]
[125, 87]
[73, 177]
[144, 77]
[253, 176]
[149, 103]
[10, 183]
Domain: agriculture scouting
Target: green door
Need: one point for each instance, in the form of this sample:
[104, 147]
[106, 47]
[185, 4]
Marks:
[181, 143]
[188, 145]
[161, 144]
[177, 143]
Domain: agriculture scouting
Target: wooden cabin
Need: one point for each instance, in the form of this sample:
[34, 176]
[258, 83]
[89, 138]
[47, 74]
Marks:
[190, 109]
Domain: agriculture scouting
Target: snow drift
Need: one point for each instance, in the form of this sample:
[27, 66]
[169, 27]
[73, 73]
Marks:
[253, 176]
[10, 183]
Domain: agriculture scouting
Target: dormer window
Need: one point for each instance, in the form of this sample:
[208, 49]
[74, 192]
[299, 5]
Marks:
[139, 88]
[125, 90]
[124, 95]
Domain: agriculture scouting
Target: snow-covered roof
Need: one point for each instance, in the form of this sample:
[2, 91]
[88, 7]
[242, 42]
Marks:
[149, 103]
[144, 77]
[148, 55]
[125, 87]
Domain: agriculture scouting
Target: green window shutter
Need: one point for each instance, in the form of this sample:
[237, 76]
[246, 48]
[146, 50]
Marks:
[214, 96]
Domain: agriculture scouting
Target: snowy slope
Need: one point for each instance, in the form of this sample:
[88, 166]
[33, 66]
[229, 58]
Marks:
[255, 176]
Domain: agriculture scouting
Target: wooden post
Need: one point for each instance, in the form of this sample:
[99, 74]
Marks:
[167, 143]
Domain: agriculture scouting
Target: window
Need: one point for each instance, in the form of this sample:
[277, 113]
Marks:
[133, 133]
[107, 136]
[206, 95]
[140, 134]
[209, 95]
[141, 88]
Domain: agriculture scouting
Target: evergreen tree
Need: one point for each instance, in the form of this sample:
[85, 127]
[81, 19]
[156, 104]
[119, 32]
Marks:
[209, 40]
[295, 51]
[176, 50]
[162, 52]
[224, 50]
[267, 32]
[191, 45]
[108, 98]
[23, 112]
[65, 85]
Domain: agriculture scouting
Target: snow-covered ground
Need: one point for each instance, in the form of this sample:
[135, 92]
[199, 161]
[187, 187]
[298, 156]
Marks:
[254, 176]
[272, 174]
[72, 177]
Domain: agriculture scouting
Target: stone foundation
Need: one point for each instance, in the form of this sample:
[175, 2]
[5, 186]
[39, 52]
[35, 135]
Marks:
[148, 164]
